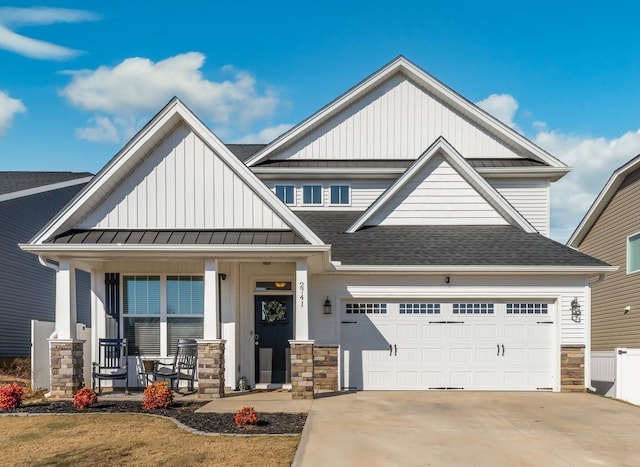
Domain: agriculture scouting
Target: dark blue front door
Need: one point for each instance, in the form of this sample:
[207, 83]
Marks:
[273, 329]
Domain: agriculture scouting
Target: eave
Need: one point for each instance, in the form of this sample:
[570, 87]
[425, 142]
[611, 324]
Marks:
[471, 270]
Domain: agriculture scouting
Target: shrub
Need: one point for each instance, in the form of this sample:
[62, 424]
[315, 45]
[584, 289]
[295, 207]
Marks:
[246, 416]
[85, 397]
[10, 396]
[157, 396]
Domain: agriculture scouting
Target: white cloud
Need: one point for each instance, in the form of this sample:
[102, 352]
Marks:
[138, 86]
[501, 106]
[9, 107]
[14, 17]
[265, 135]
[103, 131]
[593, 160]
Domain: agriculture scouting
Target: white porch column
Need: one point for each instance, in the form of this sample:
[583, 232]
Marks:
[66, 315]
[301, 332]
[211, 312]
[98, 313]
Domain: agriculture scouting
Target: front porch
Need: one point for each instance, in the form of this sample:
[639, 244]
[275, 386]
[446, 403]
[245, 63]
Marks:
[153, 302]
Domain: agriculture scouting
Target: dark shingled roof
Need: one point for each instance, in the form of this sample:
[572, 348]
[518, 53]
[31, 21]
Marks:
[391, 163]
[245, 151]
[439, 245]
[11, 182]
[179, 237]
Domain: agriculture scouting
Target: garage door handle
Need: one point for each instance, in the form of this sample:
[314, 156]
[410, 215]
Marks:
[503, 350]
[498, 345]
[390, 350]
[395, 348]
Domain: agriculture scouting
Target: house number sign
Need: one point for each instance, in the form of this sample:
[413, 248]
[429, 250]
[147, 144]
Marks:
[301, 296]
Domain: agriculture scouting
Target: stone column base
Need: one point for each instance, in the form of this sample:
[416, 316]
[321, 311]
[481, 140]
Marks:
[67, 361]
[572, 368]
[301, 369]
[210, 369]
[325, 367]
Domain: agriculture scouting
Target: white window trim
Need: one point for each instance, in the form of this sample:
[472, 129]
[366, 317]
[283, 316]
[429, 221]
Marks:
[629, 237]
[293, 186]
[349, 192]
[164, 332]
[321, 203]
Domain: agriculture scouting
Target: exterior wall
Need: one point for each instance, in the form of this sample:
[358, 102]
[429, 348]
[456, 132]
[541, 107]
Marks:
[529, 197]
[324, 329]
[607, 240]
[572, 368]
[397, 120]
[182, 184]
[26, 287]
[437, 195]
[325, 367]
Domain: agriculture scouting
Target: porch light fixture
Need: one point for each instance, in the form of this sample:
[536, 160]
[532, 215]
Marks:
[326, 308]
[280, 284]
[575, 310]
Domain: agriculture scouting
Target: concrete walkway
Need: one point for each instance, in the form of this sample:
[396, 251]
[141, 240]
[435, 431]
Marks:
[470, 428]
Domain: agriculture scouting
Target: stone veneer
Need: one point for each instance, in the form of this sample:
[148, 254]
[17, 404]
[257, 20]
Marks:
[301, 369]
[210, 369]
[572, 368]
[325, 367]
[66, 367]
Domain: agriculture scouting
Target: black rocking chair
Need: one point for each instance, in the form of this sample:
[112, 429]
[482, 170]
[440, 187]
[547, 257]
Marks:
[112, 363]
[184, 365]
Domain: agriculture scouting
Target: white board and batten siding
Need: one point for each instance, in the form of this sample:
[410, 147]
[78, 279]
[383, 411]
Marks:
[437, 195]
[183, 184]
[530, 197]
[397, 120]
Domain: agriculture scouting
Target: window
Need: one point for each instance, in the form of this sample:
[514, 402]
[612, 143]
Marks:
[339, 194]
[368, 308]
[143, 312]
[419, 308]
[312, 194]
[473, 308]
[286, 193]
[527, 308]
[633, 253]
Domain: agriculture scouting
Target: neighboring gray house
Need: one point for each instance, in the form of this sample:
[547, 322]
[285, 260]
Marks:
[27, 290]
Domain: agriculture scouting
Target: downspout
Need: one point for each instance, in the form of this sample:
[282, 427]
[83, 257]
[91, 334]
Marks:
[599, 279]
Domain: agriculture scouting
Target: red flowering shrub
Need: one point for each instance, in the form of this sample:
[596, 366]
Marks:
[85, 397]
[246, 416]
[157, 396]
[10, 396]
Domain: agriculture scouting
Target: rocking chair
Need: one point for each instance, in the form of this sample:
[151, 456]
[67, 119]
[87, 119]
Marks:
[112, 363]
[183, 367]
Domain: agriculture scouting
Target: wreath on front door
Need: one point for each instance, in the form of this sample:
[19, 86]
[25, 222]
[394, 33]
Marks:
[274, 311]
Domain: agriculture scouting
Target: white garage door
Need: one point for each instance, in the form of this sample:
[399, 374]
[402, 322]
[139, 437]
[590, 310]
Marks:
[452, 345]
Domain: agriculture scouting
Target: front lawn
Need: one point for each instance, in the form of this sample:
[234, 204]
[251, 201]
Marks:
[131, 440]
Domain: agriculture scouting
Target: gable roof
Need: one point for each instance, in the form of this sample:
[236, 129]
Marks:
[245, 151]
[18, 184]
[441, 91]
[443, 247]
[484, 188]
[160, 126]
[600, 203]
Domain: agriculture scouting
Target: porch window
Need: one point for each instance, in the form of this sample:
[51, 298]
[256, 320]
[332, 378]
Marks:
[145, 313]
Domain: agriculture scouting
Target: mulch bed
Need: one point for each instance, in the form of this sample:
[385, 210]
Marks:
[184, 412]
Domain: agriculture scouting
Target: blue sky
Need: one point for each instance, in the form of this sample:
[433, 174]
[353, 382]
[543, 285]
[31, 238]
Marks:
[78, 78]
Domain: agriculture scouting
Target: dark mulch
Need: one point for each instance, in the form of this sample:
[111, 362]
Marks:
[184, 412]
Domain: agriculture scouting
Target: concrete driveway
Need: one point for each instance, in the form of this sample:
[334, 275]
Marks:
[470, 428]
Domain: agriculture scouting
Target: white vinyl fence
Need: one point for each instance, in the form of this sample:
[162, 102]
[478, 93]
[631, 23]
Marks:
[40, 358]
[628, 375]
[603, 372]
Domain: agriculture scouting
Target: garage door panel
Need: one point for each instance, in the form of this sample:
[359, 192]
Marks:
[396, 350]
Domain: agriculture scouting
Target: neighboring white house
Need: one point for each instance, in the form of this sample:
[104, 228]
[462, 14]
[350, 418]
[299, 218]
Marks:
[396, 239]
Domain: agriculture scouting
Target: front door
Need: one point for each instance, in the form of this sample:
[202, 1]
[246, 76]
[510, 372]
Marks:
[273, 329]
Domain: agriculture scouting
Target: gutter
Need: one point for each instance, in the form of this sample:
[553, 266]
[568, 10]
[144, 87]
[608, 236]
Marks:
[45, 262]
[461, 269]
